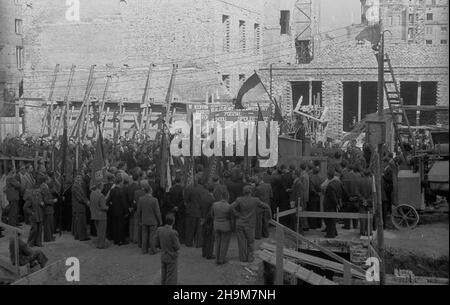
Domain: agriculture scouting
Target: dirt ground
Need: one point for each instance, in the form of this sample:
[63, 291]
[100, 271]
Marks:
[126, 265]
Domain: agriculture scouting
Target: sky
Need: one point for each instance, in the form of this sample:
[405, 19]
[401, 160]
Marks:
[339, 13]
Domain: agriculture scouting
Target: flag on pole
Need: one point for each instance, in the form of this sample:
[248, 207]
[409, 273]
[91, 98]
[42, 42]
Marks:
[98, 165]
[165, 178]
[371, 33]
[249, 84]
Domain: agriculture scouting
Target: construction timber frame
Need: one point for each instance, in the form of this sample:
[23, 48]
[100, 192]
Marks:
[82, 116]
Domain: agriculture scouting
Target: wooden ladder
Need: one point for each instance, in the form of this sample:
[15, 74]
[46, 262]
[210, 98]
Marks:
[402, 128]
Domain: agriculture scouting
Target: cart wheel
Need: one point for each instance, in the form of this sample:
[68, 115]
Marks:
[404, 217]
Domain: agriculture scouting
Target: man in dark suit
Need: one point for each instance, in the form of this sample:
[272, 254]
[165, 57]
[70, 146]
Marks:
[35, 208]
[263, 191]
[296, 197]
[12, 192]
[192, 197]
[79, 209]
[332, 200]
[119, 211]
[149, 216]
[49, 202]
[130, 191]
[176, 204]
[98, 214]
[167, 240]
[244, 209]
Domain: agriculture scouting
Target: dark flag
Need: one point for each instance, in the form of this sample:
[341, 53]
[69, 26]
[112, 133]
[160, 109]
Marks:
[249, 84]
[98, 165]
[278, 116]
[260, 115]
[370, 33]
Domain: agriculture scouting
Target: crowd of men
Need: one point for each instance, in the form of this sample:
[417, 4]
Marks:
[130, 206]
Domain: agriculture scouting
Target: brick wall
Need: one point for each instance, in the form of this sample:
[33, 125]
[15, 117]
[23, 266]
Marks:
[123, 40]
[351, 62]
[10, 76]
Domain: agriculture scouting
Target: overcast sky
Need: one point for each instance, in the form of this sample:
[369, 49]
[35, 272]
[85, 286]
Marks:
[339, 13]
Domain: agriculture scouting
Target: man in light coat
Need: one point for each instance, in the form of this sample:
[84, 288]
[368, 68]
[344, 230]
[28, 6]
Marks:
[149, 217]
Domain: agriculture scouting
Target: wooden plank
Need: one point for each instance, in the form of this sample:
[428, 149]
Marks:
[42, 275]
[307, 214]
[320, 248]
[313, 260]
[297, 270]
[347, 274]
[286, 213]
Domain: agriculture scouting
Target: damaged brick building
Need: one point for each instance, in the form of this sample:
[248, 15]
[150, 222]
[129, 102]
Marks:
[217, 45]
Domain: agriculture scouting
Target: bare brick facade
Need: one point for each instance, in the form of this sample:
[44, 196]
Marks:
[352, 62]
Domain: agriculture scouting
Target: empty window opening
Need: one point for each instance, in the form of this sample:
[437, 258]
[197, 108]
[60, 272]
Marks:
[226, 33]
[408, 92]
[257, 35]
[352, 100]
[226, 80]
[350, 111]
[19, 57]
[308, 91]
[304, 49]
[285, 22]
[242, 36]
[428, 98]
[18, 26]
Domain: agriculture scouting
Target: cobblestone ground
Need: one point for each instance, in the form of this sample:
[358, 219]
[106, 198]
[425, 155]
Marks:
[126, 264]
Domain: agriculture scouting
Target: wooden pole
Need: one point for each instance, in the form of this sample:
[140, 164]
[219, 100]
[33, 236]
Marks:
[279, 255]
[50, 98]
[379, 224]
[105, 92]
[16, 251]
[347, 274]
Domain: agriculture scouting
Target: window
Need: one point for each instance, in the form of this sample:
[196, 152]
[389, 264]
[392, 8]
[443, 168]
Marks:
[429, 42]
[429, 16]
[411, 18]
[18, 26]
[226, 81]
[226, 33]
[444, 17]
[285, 22]
[242, 36]
[429, 30]
[443, 29]
[443, 41]
[19, 57]
[410, 34]
[257, 35]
